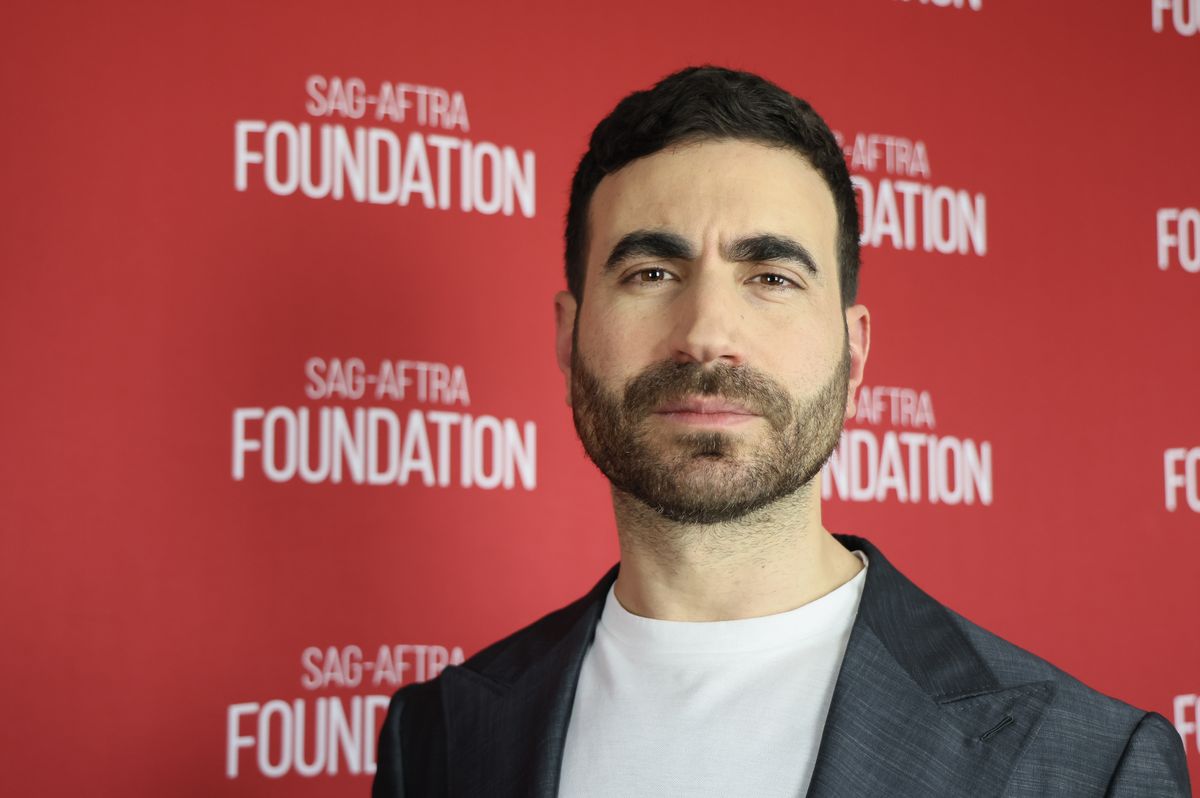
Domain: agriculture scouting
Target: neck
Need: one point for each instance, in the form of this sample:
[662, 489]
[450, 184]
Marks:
[773, 560]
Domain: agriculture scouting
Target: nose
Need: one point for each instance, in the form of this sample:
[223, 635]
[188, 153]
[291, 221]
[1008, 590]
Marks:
[706, 320]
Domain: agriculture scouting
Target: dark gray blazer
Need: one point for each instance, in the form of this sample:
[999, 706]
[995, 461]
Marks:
[926, 704]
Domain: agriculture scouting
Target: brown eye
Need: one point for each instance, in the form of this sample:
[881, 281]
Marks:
[649, 276]
[775, 281]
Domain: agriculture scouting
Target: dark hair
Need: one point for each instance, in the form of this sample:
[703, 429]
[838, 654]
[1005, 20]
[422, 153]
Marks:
[711, 103]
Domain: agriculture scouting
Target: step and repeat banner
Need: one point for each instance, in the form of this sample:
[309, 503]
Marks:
[283, 429]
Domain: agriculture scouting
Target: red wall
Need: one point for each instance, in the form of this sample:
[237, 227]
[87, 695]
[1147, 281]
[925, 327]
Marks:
[156, 608]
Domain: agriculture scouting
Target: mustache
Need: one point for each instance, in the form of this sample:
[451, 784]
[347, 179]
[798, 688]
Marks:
[669, 381]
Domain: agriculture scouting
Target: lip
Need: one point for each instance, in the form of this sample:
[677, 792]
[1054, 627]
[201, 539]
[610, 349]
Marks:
[706, 405]
[706, 411]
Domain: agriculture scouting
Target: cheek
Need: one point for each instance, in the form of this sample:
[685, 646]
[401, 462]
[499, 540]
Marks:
[798, 354]
[616, 346]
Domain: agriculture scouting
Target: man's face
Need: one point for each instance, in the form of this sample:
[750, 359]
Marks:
[709, 367]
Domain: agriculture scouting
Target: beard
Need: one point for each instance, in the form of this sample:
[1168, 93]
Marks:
[709, 476]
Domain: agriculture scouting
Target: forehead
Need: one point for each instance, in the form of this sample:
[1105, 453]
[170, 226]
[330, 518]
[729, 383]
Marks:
[716, 189]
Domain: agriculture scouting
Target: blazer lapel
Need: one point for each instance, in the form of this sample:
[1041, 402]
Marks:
[508, 716]
[915, 711]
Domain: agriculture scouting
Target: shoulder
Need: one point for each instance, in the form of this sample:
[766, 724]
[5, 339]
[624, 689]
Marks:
[504, 660]
[1083, 725]
[924, 632]
[412, 746]
[1080, 740]
[1013, 664]
[420, 703]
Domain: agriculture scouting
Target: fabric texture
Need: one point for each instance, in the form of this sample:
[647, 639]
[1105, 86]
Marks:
[926, 703]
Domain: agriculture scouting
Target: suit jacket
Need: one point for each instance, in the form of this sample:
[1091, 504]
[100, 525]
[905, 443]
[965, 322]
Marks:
[926, 704]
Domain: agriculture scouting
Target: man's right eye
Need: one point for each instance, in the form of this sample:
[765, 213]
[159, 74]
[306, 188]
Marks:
[652, 275]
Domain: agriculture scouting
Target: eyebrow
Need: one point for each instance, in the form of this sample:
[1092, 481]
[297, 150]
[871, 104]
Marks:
[649, 244]
[772, 247]
[672, 246]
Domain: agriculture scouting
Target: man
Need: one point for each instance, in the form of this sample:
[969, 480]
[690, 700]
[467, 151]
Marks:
[712, 348]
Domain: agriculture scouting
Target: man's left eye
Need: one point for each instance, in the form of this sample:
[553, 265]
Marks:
[774, 280]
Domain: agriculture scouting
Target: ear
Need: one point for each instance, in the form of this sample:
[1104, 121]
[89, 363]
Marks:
[565, 308]
[858, 331]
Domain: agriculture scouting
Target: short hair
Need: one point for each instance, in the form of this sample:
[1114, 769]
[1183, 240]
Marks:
[709, 103]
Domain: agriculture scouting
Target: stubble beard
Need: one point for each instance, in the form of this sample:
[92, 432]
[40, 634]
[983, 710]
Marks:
[710, 476]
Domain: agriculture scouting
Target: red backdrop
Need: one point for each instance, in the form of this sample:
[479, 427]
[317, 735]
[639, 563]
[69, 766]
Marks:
[181, 618]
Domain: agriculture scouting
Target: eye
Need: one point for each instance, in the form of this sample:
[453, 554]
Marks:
[653, 274]
[772, 280]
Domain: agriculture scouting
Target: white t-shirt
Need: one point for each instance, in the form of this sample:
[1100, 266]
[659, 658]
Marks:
[722, 708]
